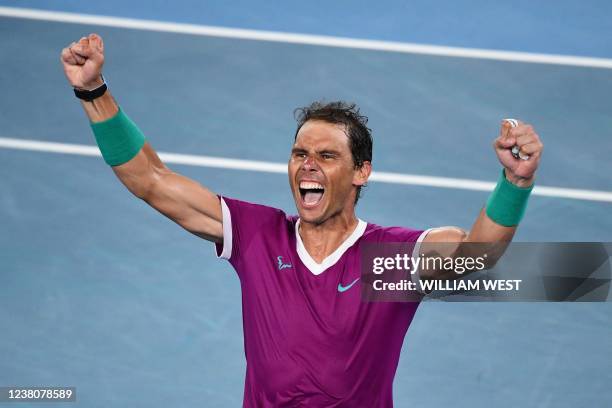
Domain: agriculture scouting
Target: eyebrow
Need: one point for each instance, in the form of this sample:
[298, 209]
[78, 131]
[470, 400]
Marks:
[328, 151]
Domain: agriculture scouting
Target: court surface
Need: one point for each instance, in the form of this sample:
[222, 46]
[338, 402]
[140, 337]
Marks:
[100, 292]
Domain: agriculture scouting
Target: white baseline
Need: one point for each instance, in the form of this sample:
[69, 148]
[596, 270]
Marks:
[270, 167]
[295, 38]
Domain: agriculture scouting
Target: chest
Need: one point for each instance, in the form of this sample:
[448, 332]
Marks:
[292, 296]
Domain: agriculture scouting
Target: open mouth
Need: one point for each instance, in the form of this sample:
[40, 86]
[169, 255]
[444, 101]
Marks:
[311, 193]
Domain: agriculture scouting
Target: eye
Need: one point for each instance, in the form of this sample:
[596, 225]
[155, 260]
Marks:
[327, 156]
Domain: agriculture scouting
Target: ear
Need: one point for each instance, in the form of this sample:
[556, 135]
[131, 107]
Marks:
[362, 174]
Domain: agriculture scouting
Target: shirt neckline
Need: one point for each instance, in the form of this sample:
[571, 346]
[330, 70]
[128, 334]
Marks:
[330, 260]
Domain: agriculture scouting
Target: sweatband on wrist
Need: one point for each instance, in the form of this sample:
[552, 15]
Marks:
[506, 204]
[118, 138]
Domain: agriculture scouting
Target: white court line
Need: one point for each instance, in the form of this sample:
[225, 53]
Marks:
[295, 38]
[269, 167]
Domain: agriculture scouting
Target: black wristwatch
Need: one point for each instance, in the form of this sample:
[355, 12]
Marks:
[91, 94]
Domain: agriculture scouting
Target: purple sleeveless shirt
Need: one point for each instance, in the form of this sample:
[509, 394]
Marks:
[310, 341]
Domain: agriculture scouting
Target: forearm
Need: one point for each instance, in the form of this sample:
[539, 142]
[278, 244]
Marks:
[490, 234]
[124, 147]
[141, 173]
[488, 231]
[101, 108]
[182, 200]
[496, 224]
[138, 173]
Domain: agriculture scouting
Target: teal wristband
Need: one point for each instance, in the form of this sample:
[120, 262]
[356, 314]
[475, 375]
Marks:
[118, 138]
[506, 204]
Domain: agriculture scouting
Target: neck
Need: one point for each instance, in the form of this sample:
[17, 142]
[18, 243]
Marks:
[321, 240]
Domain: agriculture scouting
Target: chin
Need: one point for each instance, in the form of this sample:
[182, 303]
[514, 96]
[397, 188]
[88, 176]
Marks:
[309, 216]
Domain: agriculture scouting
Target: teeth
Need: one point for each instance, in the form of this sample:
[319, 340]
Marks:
[310, 185]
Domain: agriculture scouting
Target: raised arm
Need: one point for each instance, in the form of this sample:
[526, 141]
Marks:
[496, 223]
[179, 198]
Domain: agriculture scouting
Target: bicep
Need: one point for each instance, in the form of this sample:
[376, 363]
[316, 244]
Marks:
[179, 198]
[442, 242]
[451, 235]
[189, 204]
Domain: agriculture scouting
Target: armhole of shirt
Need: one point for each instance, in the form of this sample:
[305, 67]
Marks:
[416, 276]
[226, 249]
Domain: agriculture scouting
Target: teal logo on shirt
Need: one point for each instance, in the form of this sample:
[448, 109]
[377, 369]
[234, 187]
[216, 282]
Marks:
[281, 264]
[345, 288]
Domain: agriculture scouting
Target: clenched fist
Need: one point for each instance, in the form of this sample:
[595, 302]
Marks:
[518, 171]
[83, 62]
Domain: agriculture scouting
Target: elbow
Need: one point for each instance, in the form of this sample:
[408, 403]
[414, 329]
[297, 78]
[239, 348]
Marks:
[148, 189]
[143, 191]
[143, 185]
[487, 254]
[139, 185]
[494, 254]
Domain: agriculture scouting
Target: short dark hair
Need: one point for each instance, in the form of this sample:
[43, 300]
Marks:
[347, 114]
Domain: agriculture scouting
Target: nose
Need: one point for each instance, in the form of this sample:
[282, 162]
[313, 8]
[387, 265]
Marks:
[310, 164]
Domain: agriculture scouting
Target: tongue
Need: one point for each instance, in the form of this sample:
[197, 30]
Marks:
[312, 197]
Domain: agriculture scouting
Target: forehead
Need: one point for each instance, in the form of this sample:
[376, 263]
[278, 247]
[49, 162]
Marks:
[318, 134]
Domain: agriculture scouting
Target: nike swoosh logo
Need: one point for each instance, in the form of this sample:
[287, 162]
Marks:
[345, 288]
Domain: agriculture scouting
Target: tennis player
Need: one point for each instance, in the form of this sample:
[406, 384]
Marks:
[310, 341]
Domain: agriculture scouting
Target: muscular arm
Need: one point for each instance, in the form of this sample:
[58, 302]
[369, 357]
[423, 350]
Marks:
[492, 238]
[179, 198]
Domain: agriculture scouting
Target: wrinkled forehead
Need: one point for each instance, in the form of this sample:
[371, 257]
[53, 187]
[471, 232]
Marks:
[318, 134]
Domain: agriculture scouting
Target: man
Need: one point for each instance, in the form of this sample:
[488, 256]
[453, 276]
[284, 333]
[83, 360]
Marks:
[309, 338]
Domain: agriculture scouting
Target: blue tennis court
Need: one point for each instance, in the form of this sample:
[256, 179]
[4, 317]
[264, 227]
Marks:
[100, 292]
